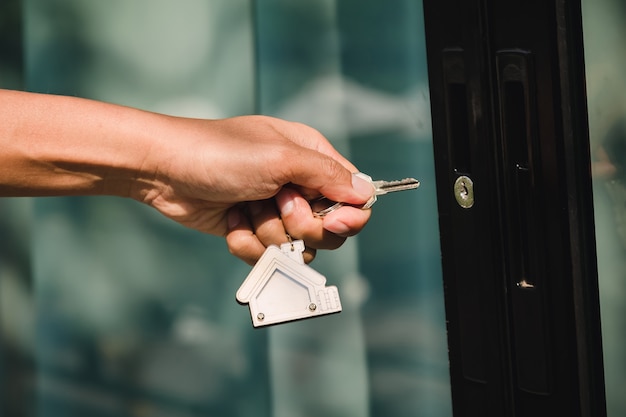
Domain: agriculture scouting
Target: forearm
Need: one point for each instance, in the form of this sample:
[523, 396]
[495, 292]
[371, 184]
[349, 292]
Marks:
[55, 145]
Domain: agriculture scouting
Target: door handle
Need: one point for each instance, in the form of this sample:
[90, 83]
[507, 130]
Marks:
[470, 297]
[523, 201]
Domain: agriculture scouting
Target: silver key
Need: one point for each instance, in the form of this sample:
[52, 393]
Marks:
[322, 206]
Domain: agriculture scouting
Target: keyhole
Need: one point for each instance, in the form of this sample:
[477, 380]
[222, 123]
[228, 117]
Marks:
[464, 191]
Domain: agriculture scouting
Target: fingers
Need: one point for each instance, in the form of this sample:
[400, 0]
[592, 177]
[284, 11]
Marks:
[318, 172]
[346, 221]
[308, 161]
[270, 229]
[274, 221]
[250, 233]
[299, 221]
[240, 238]
[316, 165]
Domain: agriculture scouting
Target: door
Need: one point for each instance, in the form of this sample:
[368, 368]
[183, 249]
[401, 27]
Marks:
[516, 217]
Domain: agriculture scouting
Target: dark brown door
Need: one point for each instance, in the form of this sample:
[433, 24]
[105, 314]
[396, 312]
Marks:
[515, 206]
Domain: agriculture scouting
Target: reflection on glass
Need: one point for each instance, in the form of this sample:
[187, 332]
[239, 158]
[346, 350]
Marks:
[16, 306]
[135, 315]
[357, 71]
[130, 314]
[605, 55]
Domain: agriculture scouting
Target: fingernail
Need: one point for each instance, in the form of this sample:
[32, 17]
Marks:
[234, 217]
[285, 202]
[362, 186]
[337, 227]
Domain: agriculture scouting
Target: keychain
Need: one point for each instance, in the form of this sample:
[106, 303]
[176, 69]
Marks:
[281, 288]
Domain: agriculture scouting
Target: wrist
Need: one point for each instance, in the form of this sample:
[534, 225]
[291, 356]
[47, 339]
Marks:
[145, 175]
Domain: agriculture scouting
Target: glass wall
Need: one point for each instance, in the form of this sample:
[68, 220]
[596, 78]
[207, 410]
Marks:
[128, 314]
[16, 308]
[135, 315]
[356, 70]
[605, 55]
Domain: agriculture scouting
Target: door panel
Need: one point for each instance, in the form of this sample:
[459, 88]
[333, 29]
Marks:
[526, 244]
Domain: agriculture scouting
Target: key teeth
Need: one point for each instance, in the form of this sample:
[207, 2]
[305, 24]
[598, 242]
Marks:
[384, 187]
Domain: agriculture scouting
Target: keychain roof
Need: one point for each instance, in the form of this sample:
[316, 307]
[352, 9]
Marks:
[281, 287]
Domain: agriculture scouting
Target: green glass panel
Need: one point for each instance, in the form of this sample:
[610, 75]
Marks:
[604, 24]
[134, 314]
[356, 70]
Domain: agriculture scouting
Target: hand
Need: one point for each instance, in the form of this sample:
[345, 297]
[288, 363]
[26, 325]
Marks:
[249, 178]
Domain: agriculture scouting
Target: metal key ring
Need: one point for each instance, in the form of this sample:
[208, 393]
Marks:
[322, 206]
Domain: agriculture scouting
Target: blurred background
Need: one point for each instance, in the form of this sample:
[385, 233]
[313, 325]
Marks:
[604, 25]
[109, 309]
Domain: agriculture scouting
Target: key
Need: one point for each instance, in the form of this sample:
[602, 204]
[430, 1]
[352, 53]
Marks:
[322, 205]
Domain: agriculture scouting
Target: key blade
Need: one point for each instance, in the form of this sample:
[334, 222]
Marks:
[384, 187]
[322, 206]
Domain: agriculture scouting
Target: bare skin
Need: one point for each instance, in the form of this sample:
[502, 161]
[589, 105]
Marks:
[246, 178]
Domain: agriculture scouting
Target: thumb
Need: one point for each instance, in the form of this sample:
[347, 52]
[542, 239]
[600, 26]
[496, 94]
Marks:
[328, 177]
[362, 185]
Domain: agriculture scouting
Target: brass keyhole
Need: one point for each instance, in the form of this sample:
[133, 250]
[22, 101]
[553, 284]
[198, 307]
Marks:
[464, 191]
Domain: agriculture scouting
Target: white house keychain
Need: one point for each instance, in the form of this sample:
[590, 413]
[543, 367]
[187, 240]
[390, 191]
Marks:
[281, 288]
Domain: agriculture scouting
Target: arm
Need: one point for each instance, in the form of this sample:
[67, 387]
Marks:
[244, 178]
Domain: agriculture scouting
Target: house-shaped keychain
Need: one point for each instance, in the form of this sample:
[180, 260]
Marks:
[281, 287]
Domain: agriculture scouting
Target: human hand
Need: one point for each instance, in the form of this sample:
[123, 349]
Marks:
[249, 178]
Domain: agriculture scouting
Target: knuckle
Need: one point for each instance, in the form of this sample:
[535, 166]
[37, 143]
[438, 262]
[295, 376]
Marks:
[335, 171]
[244, 247]
[309, 254]
[331, 241]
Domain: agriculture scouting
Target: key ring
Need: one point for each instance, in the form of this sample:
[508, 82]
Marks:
[322, 206]
[290, 241]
